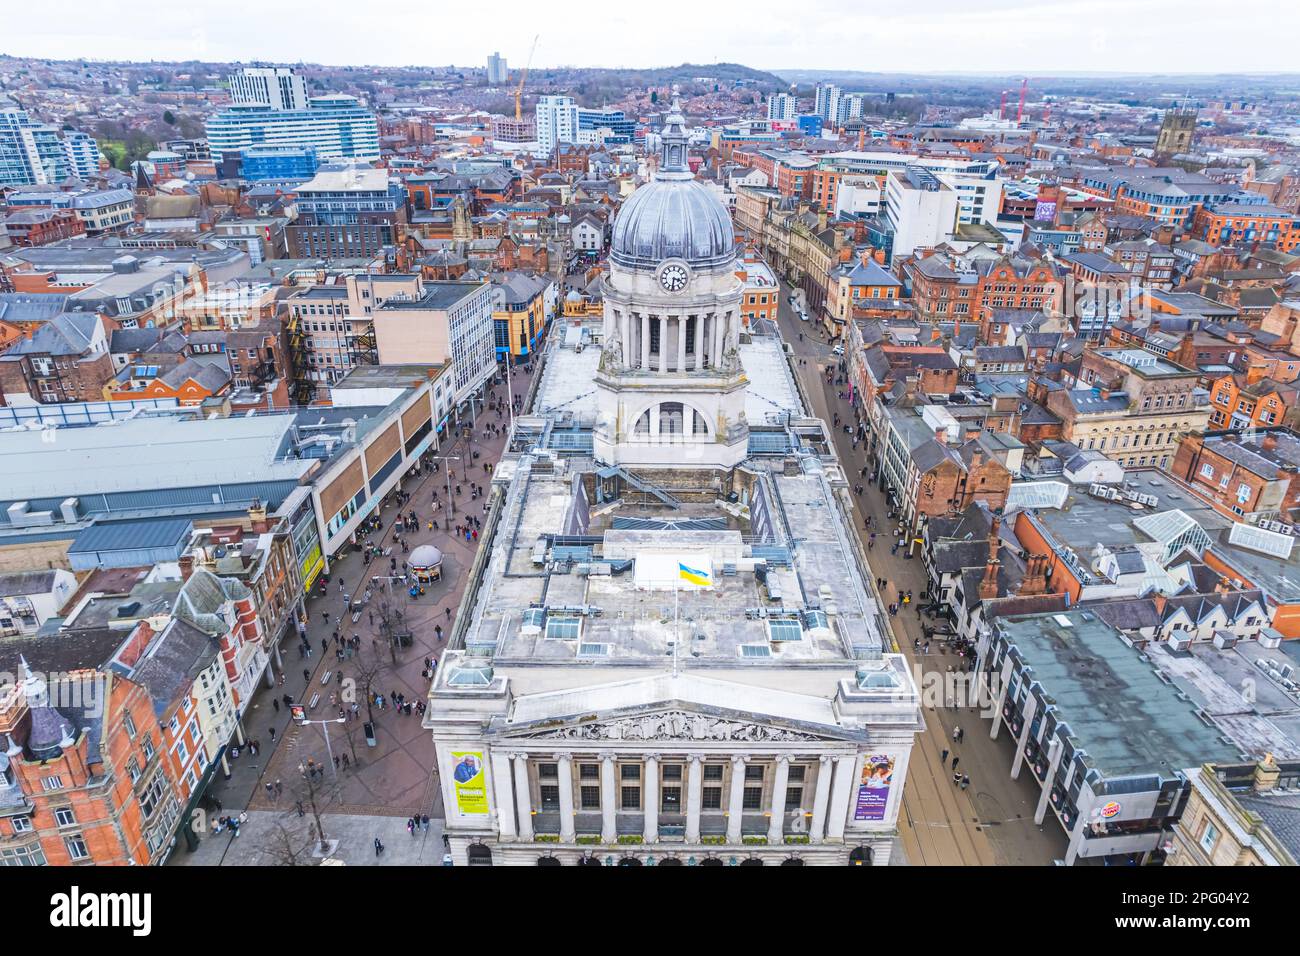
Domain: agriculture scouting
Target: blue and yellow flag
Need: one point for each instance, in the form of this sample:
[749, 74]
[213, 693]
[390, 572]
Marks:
[693, 575]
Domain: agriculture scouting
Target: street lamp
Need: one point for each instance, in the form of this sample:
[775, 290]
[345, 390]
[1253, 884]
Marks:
[451, 502]
[299, 714]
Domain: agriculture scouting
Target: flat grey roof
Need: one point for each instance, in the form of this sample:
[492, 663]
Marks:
[1128, 720]
[146, 454]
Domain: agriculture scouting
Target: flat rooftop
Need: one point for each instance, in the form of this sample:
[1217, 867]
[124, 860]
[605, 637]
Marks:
[1128, 721]
[146, 454]
[1266, 721]
[616, 578]
[437, 295]
[1085, 521]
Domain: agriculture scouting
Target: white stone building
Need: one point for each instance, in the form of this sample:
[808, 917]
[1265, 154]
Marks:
[672, 652]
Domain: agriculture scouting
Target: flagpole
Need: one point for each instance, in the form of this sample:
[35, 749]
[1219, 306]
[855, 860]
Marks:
[677, 633]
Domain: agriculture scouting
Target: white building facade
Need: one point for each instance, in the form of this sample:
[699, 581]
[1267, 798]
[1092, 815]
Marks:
[557, 121]
[582, 713]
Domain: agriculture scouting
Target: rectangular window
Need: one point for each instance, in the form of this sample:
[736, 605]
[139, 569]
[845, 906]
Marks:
[712, 798]
[1209, 837]
[550, 794]
[753, 798]
[76, 848]
[630, 771]
[670, 800]
[631, 798]
[590, 797]
[589, 771]
[54, 782]
[21, 824]
[64, 817]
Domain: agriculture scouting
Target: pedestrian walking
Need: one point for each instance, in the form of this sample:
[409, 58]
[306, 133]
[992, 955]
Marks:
[424, 822]
[271, 731]
[955, 761]
[943, 757]
[379, 847]
[956, 734]
[276, 704]
[960, 734]
[965, 781]
[306, 674]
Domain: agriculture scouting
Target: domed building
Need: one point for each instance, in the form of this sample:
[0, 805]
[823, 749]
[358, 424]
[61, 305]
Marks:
[671, 386]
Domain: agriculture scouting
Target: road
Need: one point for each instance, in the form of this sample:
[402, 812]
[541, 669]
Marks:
[991, 823]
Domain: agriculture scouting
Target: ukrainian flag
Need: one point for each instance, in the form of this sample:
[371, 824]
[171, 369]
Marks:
[687, 573]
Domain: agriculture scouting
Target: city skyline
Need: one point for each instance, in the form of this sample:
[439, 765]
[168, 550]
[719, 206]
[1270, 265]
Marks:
[1164, 36]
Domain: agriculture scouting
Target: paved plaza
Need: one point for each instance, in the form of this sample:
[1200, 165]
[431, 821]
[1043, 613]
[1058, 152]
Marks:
[393, 779]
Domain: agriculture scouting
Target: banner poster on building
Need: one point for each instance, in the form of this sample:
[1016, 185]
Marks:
[471, 782]
[1045, 211]
[873, 792]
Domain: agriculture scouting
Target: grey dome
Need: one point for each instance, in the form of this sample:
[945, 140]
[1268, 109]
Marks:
[673, 219]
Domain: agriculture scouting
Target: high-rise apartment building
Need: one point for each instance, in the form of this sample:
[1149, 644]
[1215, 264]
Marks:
[826, 101]
[497, 71]
[782, 106]
[336, 127]
[277, 87]
[82, 152]
[31, 153]
[557, 121]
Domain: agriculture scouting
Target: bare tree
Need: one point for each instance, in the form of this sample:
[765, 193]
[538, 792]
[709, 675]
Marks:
[285, 847]
[367, 671]
[390, 608]
[314, 791]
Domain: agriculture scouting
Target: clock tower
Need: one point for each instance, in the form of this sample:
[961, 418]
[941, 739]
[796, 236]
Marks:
[671, 387]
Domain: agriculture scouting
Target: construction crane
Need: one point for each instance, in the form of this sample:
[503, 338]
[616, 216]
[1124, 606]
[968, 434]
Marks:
[523, 75]
[1020, 110]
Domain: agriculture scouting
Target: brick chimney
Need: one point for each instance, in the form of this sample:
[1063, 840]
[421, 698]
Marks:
[941, 435]
[1035, 579]
[989, 583]
[1267, 775]
[257, 518]
[186, 562]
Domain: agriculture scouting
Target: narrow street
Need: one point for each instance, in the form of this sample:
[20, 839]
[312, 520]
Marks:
[993, 821]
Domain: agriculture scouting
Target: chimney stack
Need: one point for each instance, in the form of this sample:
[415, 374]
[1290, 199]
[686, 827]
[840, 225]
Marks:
[1035, 579]
[186, 562]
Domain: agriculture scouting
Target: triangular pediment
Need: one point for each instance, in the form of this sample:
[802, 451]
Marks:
[674, 721]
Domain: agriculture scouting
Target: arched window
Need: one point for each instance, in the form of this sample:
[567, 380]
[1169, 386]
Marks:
[701, 426]
[643, 424]
[672, 417]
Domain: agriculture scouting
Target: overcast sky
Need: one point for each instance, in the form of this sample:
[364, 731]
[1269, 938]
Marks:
[935, 36]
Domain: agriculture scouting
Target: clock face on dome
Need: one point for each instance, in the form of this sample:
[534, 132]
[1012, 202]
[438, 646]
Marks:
[673, 277]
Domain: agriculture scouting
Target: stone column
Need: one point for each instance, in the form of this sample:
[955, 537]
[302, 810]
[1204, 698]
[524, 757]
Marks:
[567, 832]
[776, 823]
[523, 800]
[715, 347]
[1019, 761]
[821, 798]
[645, 341]
[699, 343]
[736, 803]
[841, 794]
[694, 798]
[651, 794]
[608, 793]
[681, 343]
[504, 795]
[1002, 697]
[664, 347]
[1054, 751]
[626, 332]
